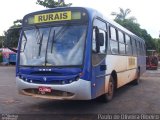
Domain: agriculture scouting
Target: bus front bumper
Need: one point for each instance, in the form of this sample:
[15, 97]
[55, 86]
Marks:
[78, 90]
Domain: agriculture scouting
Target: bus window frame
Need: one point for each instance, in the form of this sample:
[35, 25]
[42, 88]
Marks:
[110, 39]
[130, 40]
[120, 42]
[105, 31]
[101, 56]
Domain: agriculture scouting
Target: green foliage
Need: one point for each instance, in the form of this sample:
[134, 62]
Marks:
[11, 37]
[52, 3]
[130, 25]
[134, 27]
[1, 41]
[17, 23]
[157, 44]
[150, 44]
[12, 34]
[1, 58]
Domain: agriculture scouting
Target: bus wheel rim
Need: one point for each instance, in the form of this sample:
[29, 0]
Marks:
[110, 90]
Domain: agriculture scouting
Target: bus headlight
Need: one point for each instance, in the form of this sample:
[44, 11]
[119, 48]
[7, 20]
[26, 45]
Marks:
[63, 82]
[77, 78]
[70, 81]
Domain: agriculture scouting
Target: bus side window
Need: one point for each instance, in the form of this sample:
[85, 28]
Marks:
[144, 45]
[128, 45]
[136, 44]
[144, 50]
[138, 48]
[141, 49]
[103, 47]
[134, 47]
[121, 43]
[113, 40]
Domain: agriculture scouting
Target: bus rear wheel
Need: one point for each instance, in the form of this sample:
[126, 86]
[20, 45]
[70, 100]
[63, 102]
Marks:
[137, 80]
[111, 90]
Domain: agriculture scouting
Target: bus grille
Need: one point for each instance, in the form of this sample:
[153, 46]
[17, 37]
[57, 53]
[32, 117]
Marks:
[46, 73]
[53, 82]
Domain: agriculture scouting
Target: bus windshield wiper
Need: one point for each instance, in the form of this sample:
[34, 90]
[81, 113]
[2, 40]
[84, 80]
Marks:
[38, 34]
[47, 46]
[40, 45]
[39, 39]
[52, 41]
[24, 34]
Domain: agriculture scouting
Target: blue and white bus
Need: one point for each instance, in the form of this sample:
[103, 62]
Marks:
[76, 53]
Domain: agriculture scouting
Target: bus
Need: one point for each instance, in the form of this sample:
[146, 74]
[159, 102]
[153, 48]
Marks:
[76, 53]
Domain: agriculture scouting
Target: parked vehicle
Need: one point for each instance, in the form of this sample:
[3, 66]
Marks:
[9, 57]
[151, 60]
[76, 53]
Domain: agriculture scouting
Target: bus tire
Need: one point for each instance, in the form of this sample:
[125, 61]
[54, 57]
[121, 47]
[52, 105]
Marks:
[137, 80]
[111, 90]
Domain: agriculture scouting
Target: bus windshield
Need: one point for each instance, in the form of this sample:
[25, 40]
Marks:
[53, 46]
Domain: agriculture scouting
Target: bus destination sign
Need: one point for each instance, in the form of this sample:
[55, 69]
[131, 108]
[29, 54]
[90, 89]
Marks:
[52, 17]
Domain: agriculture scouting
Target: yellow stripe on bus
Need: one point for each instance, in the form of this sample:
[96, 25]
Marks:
[132, 62]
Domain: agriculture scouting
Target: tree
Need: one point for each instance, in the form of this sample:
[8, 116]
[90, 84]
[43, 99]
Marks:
[1, 41]
[134, 27]
[52, 3]
[157, 44]
[122, 15]
[17, 23]
[12, 35]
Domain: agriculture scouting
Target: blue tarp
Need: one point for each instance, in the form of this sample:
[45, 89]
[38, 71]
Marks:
[12, 58]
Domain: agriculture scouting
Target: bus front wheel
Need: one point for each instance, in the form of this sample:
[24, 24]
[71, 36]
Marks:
[111, 89]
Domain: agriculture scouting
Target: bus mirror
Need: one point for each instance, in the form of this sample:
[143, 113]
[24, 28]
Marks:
[101, 39]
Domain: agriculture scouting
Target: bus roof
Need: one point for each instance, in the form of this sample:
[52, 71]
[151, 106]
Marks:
[92, 14]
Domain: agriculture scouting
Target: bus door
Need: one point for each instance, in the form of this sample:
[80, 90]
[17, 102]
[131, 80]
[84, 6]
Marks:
[98, 62]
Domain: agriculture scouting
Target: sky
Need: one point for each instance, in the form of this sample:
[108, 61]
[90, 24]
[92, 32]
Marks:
[145, 11]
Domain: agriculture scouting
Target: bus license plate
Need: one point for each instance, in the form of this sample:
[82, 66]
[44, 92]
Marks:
[45, 89]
